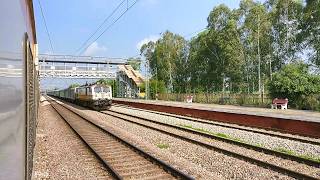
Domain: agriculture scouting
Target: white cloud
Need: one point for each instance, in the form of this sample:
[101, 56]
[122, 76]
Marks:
[95, 50]
[152, 38]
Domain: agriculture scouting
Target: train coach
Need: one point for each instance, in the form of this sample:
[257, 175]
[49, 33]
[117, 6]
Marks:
[95, 96]
[19, 88]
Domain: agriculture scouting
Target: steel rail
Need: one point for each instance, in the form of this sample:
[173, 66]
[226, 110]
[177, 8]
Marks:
[227, 152]
[225, 125]
[274, 123]
[114, 174]
[246, 145]
[170, 169]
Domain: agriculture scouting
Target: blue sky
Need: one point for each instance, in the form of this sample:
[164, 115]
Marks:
[71, 22]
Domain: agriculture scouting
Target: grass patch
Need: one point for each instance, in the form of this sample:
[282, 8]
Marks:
[163, 146]
[284, 150]
[239, 140]
[304, 156]
[222, 135]
[310, 157]
[226, 136]
[307, 156]
[258, 145]
[197, 129]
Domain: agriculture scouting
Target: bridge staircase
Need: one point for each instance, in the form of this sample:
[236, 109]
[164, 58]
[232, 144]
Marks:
[129, 81]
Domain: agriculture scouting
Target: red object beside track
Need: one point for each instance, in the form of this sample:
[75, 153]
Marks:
[304, 128]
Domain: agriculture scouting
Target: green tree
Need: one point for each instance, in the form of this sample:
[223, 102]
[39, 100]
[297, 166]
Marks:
[105, 81]
[240, 50]
[255, 30]
[155, 87]
[216, 55]
[112, 83]
[74, 85]
[135, 63]
[296, 83]
[167, 59]
[286, 16]
[311, 30]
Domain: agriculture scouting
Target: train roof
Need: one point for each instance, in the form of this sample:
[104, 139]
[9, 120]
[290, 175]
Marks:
[94, 84]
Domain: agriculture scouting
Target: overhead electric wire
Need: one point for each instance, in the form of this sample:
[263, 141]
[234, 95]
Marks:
[128, 8]
[104, 21]
[45, 24]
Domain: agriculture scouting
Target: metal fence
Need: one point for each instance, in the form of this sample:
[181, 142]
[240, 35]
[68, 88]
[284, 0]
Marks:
[219, 98]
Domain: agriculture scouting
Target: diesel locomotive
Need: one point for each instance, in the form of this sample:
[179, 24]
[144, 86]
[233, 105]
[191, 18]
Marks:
[95, 96]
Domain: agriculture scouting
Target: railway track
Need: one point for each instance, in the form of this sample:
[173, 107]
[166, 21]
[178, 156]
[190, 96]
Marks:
[264, 132]
[279, 162]
[122, 159]
[239, 143]
[282, 123]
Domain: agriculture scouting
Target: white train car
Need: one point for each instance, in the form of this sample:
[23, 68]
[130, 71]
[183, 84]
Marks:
[95, 96]
[19, 93]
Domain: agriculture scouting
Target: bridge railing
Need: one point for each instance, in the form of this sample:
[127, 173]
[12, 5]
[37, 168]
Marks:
[76, 74]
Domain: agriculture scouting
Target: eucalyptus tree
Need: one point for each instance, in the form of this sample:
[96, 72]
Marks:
[311, 30]
[255, 28]
[168, 59]
[135, 63]
[203, 67]
[225, 46]
[286, 16]
[147, 51]
[216, 55]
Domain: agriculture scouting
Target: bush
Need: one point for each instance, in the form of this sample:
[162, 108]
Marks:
[296, 83]
[309, 103]
[74, 85]
[155, 86]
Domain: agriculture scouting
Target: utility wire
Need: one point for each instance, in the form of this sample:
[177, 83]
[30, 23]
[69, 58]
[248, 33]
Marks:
[109, 26]
[45, 24]
[104, 21]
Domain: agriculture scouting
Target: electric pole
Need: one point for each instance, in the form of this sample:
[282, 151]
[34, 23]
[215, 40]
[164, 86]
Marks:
[259, 60]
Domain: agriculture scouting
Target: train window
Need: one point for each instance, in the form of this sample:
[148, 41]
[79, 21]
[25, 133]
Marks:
[82, 91]
[88, 91]
[97, 89]
[105, 89]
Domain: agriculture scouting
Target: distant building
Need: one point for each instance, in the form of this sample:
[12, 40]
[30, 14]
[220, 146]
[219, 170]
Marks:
[129, 81]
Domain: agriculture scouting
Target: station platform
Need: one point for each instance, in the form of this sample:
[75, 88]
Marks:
[291, 114]
[294, 121]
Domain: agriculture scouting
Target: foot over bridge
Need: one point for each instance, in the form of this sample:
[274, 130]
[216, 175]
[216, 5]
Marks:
[68, 66]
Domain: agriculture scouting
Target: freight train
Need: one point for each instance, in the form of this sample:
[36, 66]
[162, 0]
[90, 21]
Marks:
[95, 96]
[19, 88]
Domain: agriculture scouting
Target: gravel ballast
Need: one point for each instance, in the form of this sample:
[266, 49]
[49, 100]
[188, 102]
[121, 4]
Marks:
[295, 166]
[266, 141]
[199, 158]
[124, 160]
[59, 153]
